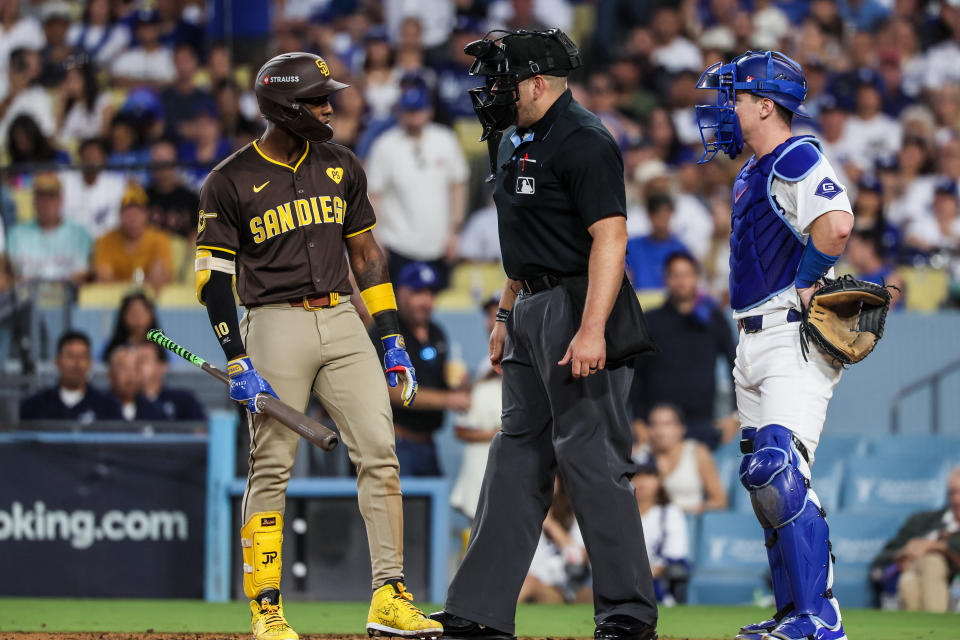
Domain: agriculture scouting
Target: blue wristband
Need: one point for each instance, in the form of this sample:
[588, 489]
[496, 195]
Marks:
[813, 264]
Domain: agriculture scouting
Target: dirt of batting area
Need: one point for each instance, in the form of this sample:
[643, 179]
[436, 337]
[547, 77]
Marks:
[196, 636]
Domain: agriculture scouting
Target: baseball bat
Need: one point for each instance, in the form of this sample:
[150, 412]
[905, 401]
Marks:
[286, 415]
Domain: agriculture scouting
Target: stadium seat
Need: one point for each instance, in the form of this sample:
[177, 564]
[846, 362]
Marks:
[926, 288]
[921, 445]
[179, 296]
[856, 539]
[895, 482]
[103, 294]
[470, 283]
[731, 560]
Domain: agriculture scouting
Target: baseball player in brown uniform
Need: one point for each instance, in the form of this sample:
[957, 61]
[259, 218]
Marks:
[275, 218]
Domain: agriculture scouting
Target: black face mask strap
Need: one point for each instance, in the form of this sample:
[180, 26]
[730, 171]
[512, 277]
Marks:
[493, 148]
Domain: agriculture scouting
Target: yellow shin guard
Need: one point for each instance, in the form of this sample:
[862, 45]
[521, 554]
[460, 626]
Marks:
[261, 538]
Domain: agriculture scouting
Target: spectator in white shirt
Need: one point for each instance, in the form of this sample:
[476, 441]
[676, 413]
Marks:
[98, 34]
[417, 182]
[870, 133]
[674, 52]
[480, 240]
[149, 63]
[940, 230]
[26, 96]
[664, 533]
[16, 33]
[86, 109]
[93, 193]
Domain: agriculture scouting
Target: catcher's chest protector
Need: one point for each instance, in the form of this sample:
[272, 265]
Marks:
[764, 249]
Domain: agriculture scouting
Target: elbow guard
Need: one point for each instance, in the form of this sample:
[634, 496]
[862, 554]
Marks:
[211, 259]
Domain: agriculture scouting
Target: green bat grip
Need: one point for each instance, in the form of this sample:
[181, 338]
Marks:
[157, 335]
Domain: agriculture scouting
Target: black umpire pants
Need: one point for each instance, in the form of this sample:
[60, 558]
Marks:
[552, 421]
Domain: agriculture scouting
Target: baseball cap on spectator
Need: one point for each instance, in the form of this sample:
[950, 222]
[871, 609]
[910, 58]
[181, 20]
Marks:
[887, 163]
[828, 102]
[134, 195]
[146, 16]
[945, 185]
[414, 99]
[419, 276]
[646, 465]
[205, 108]
[46, 182]
[141, 103]
[870, 182]
[867, 77]
[377, 33]
[468, 24]
[719, 38]
[492, 301]
[56, 11]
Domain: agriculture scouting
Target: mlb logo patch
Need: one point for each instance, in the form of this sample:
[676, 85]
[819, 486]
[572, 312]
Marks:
[828, 189]
[526, 185]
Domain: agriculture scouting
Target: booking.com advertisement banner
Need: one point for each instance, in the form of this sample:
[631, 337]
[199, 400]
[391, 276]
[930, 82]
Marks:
[100, 519]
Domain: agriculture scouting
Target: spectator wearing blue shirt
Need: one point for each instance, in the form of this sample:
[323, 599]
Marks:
[72, 398]
[126, 386]
[50, 248]
[646, 255]
[453, 77]
[174, 404]
[207, 145]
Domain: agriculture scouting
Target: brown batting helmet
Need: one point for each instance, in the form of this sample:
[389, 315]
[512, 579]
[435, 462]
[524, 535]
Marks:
[287, 79]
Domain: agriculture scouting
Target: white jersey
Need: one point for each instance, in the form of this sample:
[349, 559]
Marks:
[802, 202]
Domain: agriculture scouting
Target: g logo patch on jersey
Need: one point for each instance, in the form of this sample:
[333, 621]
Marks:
[828, 189]
[202, 219]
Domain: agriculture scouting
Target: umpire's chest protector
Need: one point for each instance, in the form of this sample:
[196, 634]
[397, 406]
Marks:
[764, 248]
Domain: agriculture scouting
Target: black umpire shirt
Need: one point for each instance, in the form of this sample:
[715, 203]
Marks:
[555, 179]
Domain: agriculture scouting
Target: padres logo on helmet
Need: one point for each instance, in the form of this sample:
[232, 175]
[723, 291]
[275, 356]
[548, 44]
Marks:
[287, 80]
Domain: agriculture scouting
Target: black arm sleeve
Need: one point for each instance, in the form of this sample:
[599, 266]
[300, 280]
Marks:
[222, 311]
[387, 322]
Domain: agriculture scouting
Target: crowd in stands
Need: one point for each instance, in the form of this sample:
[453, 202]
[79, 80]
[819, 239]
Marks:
[112, 113]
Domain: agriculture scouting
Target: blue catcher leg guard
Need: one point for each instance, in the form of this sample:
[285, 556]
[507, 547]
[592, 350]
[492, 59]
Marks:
[781, 586]
[783, 501]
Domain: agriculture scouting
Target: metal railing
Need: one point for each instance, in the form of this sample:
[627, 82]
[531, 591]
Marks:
[932, 380]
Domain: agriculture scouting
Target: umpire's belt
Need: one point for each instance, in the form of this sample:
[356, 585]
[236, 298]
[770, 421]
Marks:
[541, 283]
[754, 324]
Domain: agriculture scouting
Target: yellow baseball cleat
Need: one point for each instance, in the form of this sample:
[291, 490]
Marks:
[267, 621]
[393, 614]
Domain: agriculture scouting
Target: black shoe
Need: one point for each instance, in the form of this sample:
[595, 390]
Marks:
[457, 628]
[624, 628]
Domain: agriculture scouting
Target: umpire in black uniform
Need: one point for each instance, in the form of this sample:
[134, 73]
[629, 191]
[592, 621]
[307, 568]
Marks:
[569, 328]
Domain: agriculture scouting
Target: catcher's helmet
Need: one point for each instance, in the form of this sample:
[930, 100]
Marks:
[287, 79]
[769, 74]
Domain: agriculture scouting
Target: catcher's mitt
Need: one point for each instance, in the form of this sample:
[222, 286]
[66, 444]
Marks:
[845, 318]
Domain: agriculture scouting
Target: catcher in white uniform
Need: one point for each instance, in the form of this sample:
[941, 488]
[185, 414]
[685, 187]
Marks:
[791, 220]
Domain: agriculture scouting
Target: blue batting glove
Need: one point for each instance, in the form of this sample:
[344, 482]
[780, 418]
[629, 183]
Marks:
[396, 361]
[246, 384]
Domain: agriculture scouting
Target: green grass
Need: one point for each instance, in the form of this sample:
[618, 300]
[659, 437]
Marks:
[54, 614]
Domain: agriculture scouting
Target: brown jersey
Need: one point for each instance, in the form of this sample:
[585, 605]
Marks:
[285, 224]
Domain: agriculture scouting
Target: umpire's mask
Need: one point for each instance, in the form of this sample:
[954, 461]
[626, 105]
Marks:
[507, 60]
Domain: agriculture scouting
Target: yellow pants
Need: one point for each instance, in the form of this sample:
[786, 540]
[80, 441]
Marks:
[924, 587]
[326, 352]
